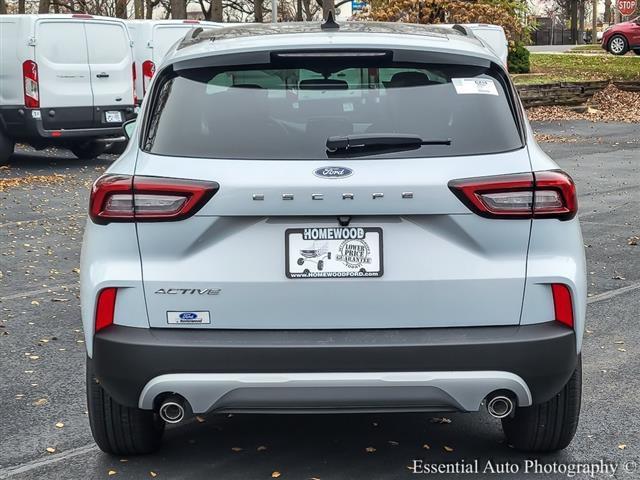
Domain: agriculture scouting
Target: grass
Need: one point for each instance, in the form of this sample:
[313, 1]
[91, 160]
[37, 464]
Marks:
[550, 68]
[588, 48]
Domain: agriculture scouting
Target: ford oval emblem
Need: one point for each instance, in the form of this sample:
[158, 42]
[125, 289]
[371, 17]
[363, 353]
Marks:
[333, 172]
[188, 316]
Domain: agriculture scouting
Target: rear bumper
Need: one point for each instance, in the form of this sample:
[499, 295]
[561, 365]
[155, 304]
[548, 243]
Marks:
[58, 124]
[429, 369]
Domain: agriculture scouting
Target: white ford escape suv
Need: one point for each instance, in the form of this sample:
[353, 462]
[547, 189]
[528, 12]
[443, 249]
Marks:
[347, 219]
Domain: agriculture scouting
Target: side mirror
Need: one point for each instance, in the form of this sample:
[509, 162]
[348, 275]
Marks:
[129, 127]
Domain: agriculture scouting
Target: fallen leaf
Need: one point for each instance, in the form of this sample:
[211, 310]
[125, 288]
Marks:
[51, 449]
[393, 442]
[111, 472]
[59, 425]
[34, 357]
[370, 449]
[622, 349]
[275, 474]
[261, 448]
[153, 474]
[40, 402]
[199, 419]
[124, 460]
[35, 302]
[439, 420]
[622, 446]
[236, 449]
[448, 449]
[619, 342]
[426, 446]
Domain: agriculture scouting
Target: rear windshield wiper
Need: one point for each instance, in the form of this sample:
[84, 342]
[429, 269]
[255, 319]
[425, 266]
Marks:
[379, 141]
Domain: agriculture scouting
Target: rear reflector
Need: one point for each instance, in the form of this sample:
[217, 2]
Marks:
[562, 304]
[547, 194]
[105, 308]
[30, 82]
[122, 198]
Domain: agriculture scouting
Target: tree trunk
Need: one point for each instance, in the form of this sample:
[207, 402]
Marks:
[607, 11]
[299, 10]
[21, 6]
[258, 14]
[216, 10]
[148, 14]
[138, 6]
[574, 21]
[594, 22]
[580, 20]
[328, 6]
[43, 6]
[121, 8]
[178, 9]
[3, 7]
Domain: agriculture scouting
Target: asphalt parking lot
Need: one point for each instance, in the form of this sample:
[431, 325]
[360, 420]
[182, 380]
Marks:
[42, 354]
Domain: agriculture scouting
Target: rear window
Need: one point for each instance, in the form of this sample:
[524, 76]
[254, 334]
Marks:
[288, 111]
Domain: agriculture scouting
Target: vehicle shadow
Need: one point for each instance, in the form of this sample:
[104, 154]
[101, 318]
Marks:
[330, 446]
[28, 159]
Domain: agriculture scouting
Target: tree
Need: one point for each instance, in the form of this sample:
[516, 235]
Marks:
[44, 6]
[178, 9]
[510, 14]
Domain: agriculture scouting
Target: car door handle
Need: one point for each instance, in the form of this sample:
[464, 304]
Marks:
[102, 75]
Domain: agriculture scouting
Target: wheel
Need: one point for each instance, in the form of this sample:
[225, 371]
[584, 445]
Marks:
[320, 265]
[117, 148]
[88, 150]
[6, 148]
[300, 261]
[549, 426]
[117, 429]
[618, 45]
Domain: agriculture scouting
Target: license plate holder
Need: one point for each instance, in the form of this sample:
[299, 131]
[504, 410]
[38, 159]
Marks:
[333, 252]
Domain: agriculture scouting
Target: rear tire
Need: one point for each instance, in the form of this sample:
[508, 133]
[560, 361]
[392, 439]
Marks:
[7, 146]
[88, 150]
[117, 429]
[549, 426]
[117, 148]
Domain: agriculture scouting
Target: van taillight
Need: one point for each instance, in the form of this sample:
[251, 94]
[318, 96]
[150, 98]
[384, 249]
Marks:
[123, 198]
[134, 75]
[30, 79]
[148, 69]
[546, 194]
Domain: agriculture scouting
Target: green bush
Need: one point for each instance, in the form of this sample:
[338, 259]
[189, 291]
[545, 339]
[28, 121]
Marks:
[518, 60]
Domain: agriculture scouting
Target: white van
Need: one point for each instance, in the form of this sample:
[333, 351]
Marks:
[493, 36]
[65, 80]
[152, 39]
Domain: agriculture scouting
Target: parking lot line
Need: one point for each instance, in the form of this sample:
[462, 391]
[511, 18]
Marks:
[41, 462]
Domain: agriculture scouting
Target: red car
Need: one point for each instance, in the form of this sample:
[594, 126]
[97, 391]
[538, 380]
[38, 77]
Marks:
[622, 37]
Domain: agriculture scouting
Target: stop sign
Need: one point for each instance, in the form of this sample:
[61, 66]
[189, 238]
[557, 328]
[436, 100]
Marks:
[627, 7]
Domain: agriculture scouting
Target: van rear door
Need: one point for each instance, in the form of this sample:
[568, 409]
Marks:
[63, 70]
[163, 37]
[110, 64]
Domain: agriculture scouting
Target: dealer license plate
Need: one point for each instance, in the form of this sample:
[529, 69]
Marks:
[333, 252]
[113, 117]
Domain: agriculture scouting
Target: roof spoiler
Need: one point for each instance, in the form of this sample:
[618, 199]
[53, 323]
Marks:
[464, 30]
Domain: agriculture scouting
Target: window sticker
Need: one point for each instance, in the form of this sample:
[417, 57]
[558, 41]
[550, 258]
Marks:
[475, 86]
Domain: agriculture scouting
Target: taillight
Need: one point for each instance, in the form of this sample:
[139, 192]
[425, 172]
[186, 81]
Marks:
[122, 198]
[148, 69]
[105, 308]
[134, 75]
[547, 194]
[30, 80]
[562, 304]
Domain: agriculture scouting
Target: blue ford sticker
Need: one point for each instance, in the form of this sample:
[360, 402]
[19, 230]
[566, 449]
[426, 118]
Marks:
[190, 317]
[333, 172]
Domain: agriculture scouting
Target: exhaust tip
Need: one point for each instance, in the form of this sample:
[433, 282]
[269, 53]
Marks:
[500, 406]
[171, 411]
